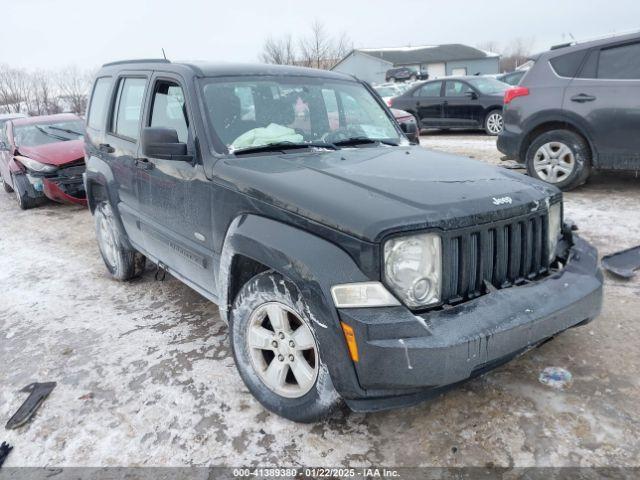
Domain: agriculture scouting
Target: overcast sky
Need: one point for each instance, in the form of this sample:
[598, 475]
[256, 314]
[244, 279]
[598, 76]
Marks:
[53, 33]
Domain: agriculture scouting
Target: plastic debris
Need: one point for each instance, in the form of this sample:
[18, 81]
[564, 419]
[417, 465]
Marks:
[556, 377]
[5, 448]
[623, 263]
[38, 393]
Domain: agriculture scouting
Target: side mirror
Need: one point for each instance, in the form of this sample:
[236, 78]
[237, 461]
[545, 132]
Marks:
[472, 95]
[163, 143]
[409, 128]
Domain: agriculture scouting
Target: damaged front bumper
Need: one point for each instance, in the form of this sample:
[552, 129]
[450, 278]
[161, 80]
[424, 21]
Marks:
[406, 357]
[64, 186]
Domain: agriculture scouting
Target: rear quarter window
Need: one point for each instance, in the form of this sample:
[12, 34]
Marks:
[567, 65]
[98, 106]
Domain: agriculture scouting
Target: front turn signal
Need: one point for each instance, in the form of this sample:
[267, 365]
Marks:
[350, 337]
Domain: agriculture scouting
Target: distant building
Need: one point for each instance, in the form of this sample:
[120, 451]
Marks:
[371, 64]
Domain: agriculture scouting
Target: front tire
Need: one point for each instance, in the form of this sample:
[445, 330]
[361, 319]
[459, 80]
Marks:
[123, 263]
[276, 351]
[559, 157]
[20, 187]
[5, 185]
[493, 123]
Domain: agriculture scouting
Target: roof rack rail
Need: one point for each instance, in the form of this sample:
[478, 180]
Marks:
[562, 45]
[137, 60]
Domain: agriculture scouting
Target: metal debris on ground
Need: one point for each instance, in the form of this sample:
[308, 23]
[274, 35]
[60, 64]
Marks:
[38, 393]
[623, 263]
[556, 377]
[513, 166]
[5, 448]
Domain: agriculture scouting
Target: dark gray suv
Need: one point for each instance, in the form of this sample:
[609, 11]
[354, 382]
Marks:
[349, 264]
[575, 110]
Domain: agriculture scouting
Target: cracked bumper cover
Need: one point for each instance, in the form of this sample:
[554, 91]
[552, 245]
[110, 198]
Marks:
[55, 190]
[405, 357]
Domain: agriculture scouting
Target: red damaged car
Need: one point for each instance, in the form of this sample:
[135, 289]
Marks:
[43, 157]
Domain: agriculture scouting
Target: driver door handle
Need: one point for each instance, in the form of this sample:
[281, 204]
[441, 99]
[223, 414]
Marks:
[582, 98]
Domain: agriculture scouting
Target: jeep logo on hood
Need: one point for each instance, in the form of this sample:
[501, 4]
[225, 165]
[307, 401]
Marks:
[502, 200]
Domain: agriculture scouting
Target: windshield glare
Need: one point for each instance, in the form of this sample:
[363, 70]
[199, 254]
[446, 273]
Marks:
[37, 134]
[488, 85]
[250, 112]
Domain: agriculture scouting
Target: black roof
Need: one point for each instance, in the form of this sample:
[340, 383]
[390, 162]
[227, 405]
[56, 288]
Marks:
[428, 54]
[222, 69]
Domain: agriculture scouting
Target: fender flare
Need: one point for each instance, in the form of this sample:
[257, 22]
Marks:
[314, 265]
[100, 174]
[559, 116]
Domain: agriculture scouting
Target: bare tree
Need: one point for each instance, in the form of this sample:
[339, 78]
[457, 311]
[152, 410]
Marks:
[14, 89]
[74, 86]
[318, 50]
[514, 54]
[517, 53]
[279, 51]
[43, 100]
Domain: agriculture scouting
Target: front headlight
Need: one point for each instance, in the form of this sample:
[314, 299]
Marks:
[36, 166]
[413, 268]
[553, 235]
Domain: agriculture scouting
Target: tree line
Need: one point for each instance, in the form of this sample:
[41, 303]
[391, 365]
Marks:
[44, 92]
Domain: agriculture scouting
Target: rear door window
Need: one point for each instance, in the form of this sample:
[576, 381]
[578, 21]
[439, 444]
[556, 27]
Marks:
[620, 62]
[99, 99]
[126, 121]
[429, 90]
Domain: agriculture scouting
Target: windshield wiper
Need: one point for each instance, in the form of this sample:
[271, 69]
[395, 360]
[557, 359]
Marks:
[52, 135]
[282, 146]
[66, 130]
[348, 142]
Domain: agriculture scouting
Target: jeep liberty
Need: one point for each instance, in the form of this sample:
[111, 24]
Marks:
[349, 265]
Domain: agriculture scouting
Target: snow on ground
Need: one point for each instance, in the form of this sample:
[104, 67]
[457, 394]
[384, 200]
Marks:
[145, 375]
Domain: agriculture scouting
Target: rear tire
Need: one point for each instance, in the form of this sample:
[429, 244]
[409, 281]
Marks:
[559, 157]
[123, 263]
[276, 351]
[20, 186]
[493, 122]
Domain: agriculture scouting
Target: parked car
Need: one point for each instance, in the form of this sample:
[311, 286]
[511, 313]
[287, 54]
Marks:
[349, 264]
[456, 102]
[43, 157]
[408, 124]
[403, 74]
[575, 111]
[387, 92]
[511, 78]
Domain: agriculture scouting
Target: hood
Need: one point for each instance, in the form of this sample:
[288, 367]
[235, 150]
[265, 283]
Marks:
[58, 153]
[371, 191]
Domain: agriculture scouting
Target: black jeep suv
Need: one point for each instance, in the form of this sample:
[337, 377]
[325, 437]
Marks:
[575, 110]
[349, 264]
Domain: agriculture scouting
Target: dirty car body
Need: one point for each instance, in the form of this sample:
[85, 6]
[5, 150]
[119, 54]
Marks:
[44, 157]
[416, 269]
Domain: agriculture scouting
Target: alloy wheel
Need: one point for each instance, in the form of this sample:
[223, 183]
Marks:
[282, 349]
[554, 162]
[495, 123]
[107, 240]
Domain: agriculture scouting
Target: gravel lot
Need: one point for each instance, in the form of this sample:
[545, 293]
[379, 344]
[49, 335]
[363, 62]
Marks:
[145, 375]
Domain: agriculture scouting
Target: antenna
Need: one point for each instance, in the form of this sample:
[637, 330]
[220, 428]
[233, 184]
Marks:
[164, 54]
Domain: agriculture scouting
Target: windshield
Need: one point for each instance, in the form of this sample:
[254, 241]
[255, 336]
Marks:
[248, 112]
[488, 85]
[42, 133]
